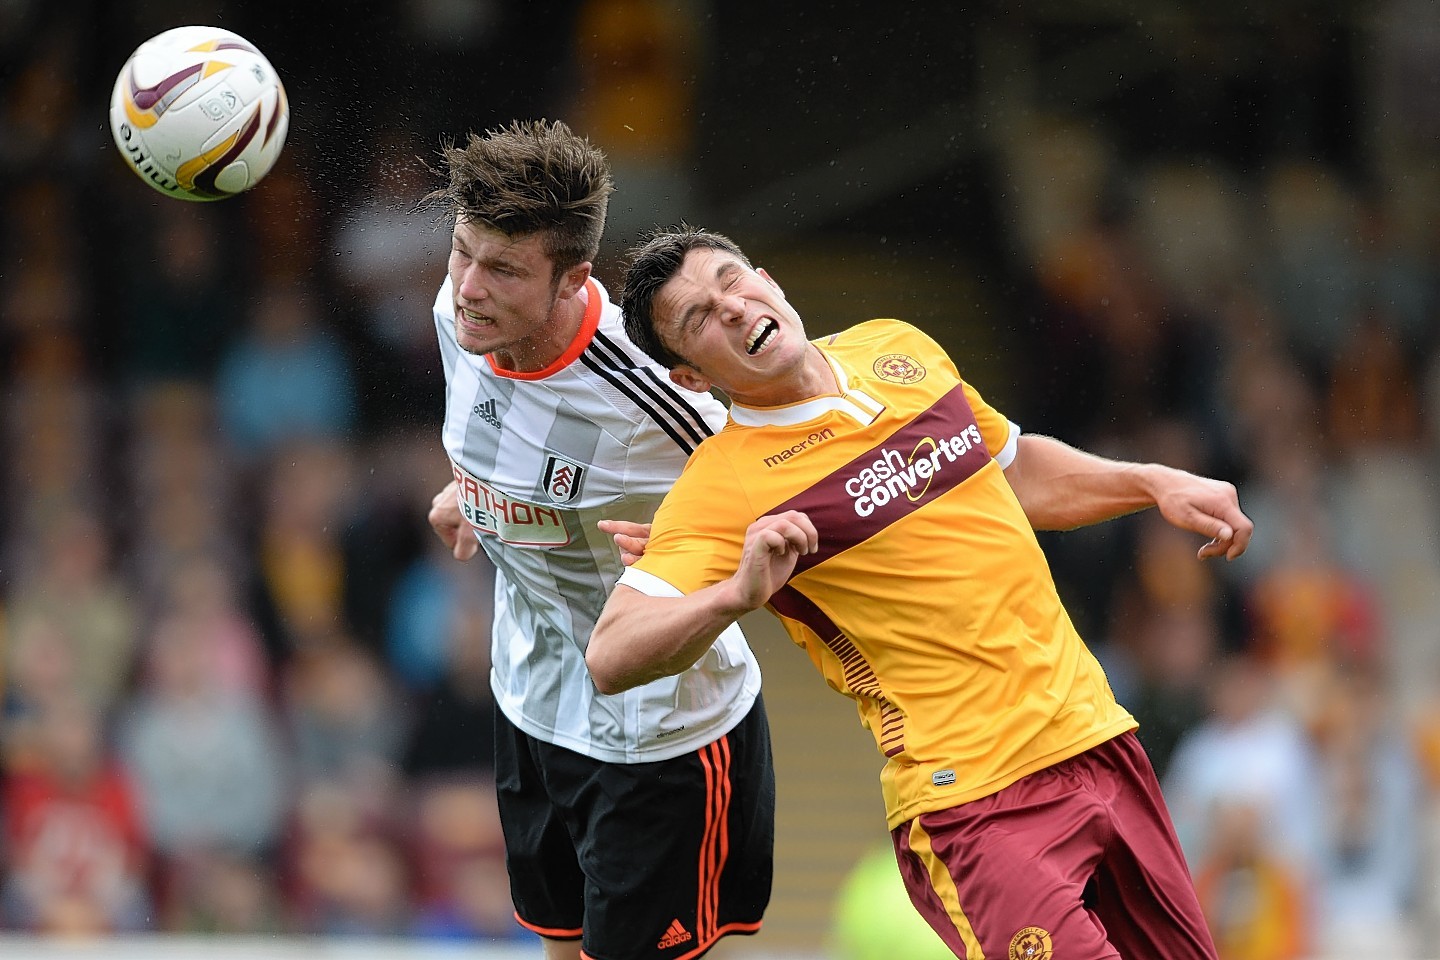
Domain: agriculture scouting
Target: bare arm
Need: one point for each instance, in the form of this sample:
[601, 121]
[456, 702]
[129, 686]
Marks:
[1061, 488]
[640, 638]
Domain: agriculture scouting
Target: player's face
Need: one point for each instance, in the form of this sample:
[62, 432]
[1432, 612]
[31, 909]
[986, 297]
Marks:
[737, 331]
[507, 302]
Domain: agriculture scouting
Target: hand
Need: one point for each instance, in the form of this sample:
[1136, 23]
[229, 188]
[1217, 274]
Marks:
[1210, 508]
[449, 525]
[629, 536]
[773, 545]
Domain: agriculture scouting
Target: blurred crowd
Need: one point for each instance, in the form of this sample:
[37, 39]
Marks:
[1279, 332]
[245, 689]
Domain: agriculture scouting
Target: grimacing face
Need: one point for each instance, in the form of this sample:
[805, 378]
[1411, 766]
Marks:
[737, 332]
[506, 298]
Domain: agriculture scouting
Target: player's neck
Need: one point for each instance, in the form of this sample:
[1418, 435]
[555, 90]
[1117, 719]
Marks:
[815, 378]
[550, 341]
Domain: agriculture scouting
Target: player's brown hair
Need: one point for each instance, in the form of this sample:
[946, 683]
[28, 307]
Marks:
[531, 177]
[650, 265]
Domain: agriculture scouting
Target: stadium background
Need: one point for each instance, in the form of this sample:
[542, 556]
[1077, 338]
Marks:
[1202, 233]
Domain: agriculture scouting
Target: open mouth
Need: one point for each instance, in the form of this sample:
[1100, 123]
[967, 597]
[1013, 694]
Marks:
[761, 336]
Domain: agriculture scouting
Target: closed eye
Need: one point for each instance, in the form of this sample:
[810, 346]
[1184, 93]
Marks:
[698, 319]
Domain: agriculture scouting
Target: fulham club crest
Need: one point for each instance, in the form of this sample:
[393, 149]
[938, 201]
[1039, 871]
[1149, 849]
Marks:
[562, 479]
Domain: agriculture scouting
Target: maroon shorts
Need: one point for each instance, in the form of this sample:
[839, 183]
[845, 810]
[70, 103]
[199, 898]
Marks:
[1078, 861]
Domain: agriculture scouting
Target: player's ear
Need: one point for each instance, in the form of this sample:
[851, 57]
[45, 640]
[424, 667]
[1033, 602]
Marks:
[573, 279]
[689, 378]
[770, 280]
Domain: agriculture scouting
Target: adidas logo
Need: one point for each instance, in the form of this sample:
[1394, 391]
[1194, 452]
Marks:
[676, 935]
[485, 410]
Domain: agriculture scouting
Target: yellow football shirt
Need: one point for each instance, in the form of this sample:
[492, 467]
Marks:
[929, 602]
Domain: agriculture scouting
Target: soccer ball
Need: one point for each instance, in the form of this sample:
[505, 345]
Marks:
[199, 113]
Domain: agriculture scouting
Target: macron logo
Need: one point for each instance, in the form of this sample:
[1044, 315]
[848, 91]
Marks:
[780, 456]
[485, 410]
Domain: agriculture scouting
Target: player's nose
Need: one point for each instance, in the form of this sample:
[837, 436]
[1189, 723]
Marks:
[470, 286]
[731, 309]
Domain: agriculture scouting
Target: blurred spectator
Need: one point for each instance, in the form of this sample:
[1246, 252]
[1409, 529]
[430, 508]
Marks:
[1115, 350]
[1257, 902]
[185, 491]
[285, 378]
[1407, 111]
[349, 873]
[297, 547]
[75, 843]
[223, 893]
[1388, 518]
[40, 125]
[635, 94]
[1191, 219]
[202, 747]
[1306, 608]
[73, 585]
[200, 592]
[462, 884]
[1373, 399]
[427, 603]
[389, 253]
[1170, 618]
[1248, 754]
[1242, 792]
[1174, 649]
[40, 673]
[1310, 220]
[285, 221]
[181, 305]
[55, 430]
[1308, 604]
[1373, 812]
[43, 321]
[344, 720]
[381, 541]
[454, 730]
[1301, 576]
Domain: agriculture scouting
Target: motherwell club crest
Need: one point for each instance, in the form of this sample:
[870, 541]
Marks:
[562, 479]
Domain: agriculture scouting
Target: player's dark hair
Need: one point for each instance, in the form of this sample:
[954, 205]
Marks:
[650, 265]
[531, 177]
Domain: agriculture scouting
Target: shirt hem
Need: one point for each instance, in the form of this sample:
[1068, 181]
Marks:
[668, 749]
[904, 814]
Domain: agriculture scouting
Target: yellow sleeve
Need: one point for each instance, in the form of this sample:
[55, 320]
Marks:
[994, 427]
[699, 531]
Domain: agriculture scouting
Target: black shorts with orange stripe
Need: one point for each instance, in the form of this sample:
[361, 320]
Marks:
[642, 860]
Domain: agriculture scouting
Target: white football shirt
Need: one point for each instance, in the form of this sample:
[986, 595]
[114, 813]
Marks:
[541, 458]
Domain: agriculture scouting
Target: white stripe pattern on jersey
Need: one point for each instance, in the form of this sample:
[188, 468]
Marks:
[623, 430]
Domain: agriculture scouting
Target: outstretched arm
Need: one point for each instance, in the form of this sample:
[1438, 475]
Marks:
[1061, 488]
[641, 638]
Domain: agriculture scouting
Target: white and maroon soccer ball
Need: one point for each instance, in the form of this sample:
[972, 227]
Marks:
[199, 113]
